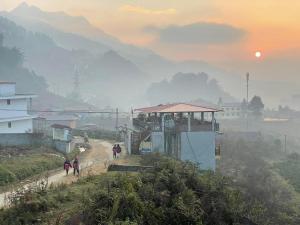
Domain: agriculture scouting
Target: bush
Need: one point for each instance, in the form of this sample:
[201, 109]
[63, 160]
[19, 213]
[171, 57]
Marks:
[6, 176]
[173, 193]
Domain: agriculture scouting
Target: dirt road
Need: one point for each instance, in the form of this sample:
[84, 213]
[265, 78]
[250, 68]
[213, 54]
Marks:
[92, 161]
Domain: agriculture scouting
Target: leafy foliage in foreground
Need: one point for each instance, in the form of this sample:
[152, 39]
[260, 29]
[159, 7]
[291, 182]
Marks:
[173, 193]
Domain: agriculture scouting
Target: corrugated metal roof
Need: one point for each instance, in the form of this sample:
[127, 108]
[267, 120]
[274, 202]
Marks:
[176, 108]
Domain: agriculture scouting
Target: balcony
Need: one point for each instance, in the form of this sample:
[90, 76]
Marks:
[178, 124]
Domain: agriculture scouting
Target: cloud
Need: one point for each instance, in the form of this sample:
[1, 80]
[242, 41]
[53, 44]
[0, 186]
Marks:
[198, 33]
[142, 10]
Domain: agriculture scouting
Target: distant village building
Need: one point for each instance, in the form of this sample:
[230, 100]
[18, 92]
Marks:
[61, 132]
[62, 138]
[15, 115]
[229, 111]
[179, 130]
[44, 123]
[66, 120]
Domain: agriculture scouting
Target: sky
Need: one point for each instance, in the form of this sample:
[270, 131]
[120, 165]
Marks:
[226, 33]
[270, 26]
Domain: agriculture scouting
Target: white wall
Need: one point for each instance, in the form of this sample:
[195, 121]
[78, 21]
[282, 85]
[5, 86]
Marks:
[199, 147]
[7, 89]
[17, 127]
[20, 105]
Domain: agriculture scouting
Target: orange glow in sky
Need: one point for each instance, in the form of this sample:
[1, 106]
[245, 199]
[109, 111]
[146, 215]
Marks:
[272, 25]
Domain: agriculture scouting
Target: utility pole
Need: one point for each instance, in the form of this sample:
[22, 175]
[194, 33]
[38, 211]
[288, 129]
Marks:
[247, 80]
[76, 87]
[117, 121]
[285, 136]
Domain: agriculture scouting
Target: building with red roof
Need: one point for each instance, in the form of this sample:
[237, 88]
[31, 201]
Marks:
[179, 130]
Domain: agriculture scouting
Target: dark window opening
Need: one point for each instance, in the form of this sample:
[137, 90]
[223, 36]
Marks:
[8, 102]
[9, 124]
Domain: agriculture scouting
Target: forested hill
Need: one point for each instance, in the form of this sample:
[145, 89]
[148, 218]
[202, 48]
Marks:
[185, 87]
[12, 69]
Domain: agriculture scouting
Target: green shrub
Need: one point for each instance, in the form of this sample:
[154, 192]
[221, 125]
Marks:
[6, 176]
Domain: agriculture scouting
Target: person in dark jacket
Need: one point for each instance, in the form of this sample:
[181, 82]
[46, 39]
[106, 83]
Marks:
[67, 166]
[114, 151]
[76, 166]
[119, 149]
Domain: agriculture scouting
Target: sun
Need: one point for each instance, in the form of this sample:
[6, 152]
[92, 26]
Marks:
[257, 54]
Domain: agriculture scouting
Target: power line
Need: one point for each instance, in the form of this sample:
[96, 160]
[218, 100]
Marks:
[63, 111]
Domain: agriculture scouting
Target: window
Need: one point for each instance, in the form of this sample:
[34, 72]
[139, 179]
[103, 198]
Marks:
[8, 102]
[9, 124]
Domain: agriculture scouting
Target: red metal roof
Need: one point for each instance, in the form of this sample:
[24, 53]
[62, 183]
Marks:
[176, 108]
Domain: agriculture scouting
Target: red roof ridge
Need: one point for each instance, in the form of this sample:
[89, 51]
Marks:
[162, 108]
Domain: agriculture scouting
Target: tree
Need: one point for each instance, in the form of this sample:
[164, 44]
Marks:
[256, 106]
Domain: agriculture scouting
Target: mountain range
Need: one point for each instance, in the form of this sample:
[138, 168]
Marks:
[57, 46]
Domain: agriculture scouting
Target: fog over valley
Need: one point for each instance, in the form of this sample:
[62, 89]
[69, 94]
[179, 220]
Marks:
[60, 47]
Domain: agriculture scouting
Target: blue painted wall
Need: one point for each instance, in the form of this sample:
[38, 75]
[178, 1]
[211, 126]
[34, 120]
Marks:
[157, 142]
[199, 147]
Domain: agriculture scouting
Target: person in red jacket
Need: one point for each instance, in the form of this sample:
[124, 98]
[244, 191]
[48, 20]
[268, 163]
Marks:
[67, 166]
[76, 166]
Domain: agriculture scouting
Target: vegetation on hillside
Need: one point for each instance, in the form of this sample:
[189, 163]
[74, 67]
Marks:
[290, 170]
[17, 164]
[173, 192]
[175, 89]
[250, 164]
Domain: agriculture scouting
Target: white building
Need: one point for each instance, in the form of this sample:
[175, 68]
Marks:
[229, 111]
[14, 115]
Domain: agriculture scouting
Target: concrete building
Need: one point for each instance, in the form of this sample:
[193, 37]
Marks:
[179, 130]
[229, 111]
[61, 132]
[15, 115]
[66, 120]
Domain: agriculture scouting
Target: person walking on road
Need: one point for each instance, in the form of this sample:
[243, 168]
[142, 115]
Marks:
[119, 149]
[114, 151]
[67, 166]
[76, 166]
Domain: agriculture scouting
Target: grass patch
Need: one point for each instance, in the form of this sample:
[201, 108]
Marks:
[19, 168]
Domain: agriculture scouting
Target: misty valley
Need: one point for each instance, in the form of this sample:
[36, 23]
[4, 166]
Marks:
[145, 113]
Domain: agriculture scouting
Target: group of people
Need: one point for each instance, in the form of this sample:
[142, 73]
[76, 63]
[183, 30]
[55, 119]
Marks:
[116, 150]
[75, 165]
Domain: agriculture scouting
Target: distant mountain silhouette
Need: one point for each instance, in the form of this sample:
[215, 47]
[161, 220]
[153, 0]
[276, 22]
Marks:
[187, 87]
[76, 43]
[11, 69]
[77, 33]
[58, 65]
[33, 18]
